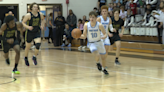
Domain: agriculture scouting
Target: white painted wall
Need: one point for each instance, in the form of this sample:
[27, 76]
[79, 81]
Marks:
[79, 7]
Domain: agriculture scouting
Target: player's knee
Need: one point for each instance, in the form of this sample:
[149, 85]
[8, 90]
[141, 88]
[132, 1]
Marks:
[38, 46]
[118, 46]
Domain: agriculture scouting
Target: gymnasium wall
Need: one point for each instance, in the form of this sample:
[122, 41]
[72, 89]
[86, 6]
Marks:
[79, 7]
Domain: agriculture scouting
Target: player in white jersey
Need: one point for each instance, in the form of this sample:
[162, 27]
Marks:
[107, 23]
[93, 34]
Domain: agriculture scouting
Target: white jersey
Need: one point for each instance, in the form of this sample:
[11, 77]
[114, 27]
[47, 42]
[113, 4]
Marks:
[105, 24]
[93, 33]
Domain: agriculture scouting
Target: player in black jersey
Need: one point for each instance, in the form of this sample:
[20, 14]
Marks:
[34, 24]
[10, 35]
[117, 23]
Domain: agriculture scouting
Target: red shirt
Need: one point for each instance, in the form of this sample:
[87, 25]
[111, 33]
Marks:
[133, 7]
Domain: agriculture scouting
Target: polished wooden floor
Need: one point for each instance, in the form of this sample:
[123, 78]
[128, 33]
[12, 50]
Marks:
[69, 70]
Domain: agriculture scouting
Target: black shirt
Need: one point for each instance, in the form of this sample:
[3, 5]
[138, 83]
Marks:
[102, 2]
[117, 24]
[59, 23]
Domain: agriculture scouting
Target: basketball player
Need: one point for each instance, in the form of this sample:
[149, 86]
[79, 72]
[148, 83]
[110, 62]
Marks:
[34, 24]
[11, 33]
[117, 24]
[93, 34]
[107, 23]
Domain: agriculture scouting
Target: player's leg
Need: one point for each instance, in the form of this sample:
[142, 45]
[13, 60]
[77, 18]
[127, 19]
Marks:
[6, 48]
[17, 57]
[93, 50]
[38, 44]
[118, 46]
[107, 49]
[102, 52]
[107, 44]
[28, 39]
[43, 34]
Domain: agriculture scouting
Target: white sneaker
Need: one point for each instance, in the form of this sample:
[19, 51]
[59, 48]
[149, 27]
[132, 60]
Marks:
[80, 47]
[84, 47]
[33, 47]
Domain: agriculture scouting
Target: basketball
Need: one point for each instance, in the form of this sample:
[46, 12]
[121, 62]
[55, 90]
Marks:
[76, 33]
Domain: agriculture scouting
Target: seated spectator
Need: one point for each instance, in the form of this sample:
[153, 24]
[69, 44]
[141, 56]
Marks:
[123, 13]
[110, 7]
[67, 36]
[129, 20]
[85, 18]
[118, 4]
[148, 18]
[153, 3]
[115, 6]
[82, 41]
[148, 7]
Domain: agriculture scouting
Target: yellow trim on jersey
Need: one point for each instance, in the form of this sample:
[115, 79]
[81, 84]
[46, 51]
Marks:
[26, 35]
[2, 44]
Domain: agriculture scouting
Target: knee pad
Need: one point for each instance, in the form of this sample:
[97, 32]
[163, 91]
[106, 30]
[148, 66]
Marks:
[37, 46]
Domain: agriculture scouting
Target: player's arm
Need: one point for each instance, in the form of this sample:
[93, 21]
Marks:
[101, 27]
[111, 26]
[2, 29]
[20, 29]
[42, 21]
[84, 35]
[25, 19]
[122, 29]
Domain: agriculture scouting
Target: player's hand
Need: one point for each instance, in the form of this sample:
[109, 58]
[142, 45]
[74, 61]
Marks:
[121, 34]
[10, 41]
[103, 37]
[159, 26]
[30, 28]
[110, 35]
[114, 30]
[41, 27]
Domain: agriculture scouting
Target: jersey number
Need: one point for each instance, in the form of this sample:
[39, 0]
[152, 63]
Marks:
[104, 27]
[94, 35]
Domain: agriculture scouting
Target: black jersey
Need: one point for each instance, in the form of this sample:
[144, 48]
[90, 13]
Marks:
[117, 24]
[35, 22]
[10, 32]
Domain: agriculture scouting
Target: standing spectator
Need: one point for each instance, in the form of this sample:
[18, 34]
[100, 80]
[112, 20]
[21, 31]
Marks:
[110, 7]
[71, 19]
[123, 13]
[101, 3]
[67, 35]
[43, 31]
[60, 22]
[50, 22]
[115, 6]
[141, 8]
[82, 41]
[133, 7]
[85, 18]
[11, 13]
[127, 6]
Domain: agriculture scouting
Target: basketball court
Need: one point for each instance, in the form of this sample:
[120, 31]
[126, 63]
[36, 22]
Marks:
[70, 70]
